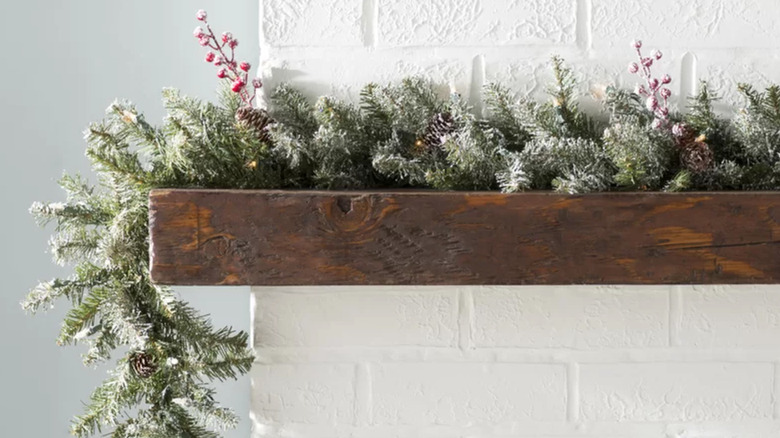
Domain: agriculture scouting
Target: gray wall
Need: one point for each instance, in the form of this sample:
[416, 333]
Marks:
[63, 62]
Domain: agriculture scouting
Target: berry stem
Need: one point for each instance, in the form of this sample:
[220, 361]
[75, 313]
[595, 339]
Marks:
[231, 65]
[661, 112]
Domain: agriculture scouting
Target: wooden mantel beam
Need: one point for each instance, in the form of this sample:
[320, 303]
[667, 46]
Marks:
[209, 237]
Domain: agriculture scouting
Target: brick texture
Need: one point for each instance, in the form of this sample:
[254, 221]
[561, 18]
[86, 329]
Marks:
[676, 392]
[476, 22]
[571, 317]
[463, 394]
[349, 317]
[312, 23]
[303, 393]
[584, 362]
[336, 46]
[694, 24]
[730, 317]
[557, 362]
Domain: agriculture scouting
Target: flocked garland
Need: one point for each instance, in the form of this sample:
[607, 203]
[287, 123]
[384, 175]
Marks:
[403, 135]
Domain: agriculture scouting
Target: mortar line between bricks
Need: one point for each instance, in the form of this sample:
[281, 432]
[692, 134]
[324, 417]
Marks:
[370, 394]
[434, 355]
[688, 75]
[261, 40]
[370, 23]
[402, 49]
[675, 315]
[584, 26]
[363, 395]
[252, 317]
[573, 392]
[357, 418]
[776, 392]
[465, 319]
[478, 75]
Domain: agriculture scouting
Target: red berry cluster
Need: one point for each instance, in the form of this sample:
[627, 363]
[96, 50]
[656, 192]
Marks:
[654, 88]
[228, 67]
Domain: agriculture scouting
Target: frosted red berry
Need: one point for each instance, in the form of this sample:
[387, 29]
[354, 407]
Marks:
[652, 103]
[653, 83]
[225, 60]
[656, 96]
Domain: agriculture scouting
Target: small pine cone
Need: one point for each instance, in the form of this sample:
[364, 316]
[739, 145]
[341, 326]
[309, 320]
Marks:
[143, 365]
[256, 119]
[439, 127]
[696, 156]
[683, 135]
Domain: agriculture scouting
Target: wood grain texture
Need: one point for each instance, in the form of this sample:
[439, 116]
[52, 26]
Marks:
[208, 237]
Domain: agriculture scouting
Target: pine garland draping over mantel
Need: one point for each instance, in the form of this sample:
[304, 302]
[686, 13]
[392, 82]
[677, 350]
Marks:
[404, 135]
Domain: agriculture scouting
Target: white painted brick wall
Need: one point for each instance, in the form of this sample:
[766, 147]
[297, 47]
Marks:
[682, 392]
[324, 319]
[475, 22]
[336, 46]
[532, 362]
[563, 362]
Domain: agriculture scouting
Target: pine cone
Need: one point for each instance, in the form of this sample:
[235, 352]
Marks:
[143, 365]
[439, 127]
[256, 119]
[683, 135]
[696, 156]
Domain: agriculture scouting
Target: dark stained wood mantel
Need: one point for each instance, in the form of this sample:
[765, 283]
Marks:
[208, 237]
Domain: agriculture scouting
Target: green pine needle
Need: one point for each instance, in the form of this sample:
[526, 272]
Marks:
[399, 135]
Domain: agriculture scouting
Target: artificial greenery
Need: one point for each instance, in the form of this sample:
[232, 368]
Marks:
[397, 136]
[102, 229]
